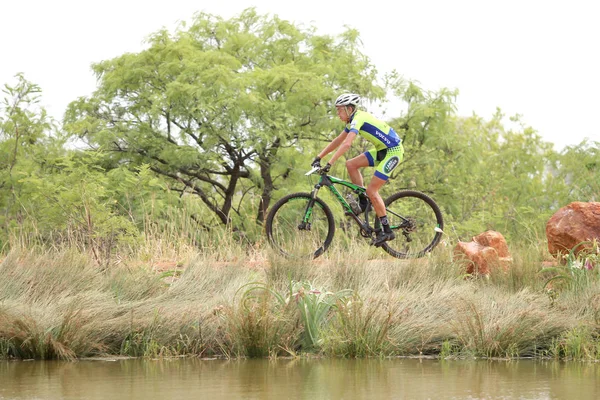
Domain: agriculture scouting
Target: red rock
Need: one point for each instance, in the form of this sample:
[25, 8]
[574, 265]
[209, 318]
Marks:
[493, 239]
[485, 253]
[571, 225]
[479, 259]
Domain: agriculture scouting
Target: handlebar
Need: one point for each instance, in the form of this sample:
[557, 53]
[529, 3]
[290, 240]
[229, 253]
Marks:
[316, 170]
[312, 171]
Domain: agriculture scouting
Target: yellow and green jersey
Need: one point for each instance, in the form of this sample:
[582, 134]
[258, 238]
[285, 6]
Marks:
[374, 130]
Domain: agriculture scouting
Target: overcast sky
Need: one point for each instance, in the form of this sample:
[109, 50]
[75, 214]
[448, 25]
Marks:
[535, 58]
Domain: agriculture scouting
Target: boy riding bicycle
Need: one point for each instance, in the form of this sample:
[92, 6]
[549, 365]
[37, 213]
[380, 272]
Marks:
[385, 156]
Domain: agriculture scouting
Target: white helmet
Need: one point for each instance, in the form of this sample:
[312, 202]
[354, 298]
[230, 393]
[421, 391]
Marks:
[348, 99]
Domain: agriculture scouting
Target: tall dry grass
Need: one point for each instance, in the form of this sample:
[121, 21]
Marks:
[161, 300]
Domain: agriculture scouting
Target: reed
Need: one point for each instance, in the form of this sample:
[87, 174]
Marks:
[577, 344]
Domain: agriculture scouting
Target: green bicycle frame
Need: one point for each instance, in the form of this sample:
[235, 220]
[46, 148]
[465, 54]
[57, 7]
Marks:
[330, 182]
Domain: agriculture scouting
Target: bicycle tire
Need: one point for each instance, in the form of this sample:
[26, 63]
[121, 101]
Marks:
[424, 228]
[282, 226]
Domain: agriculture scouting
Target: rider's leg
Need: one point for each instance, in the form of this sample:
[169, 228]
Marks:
[386, 233]
[353, 165]
[387, 162]
[373, 193]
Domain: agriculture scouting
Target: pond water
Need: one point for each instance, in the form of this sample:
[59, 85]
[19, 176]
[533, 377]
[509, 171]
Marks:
[298, 379]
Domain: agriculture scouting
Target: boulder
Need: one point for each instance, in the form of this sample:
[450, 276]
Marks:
[572, 224]
[486, 252]
[493, 239]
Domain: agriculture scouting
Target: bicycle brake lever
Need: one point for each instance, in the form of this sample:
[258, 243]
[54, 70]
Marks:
[312, 171]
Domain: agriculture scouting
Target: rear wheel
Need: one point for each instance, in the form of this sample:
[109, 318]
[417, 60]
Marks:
[416, 221]
[299, 226]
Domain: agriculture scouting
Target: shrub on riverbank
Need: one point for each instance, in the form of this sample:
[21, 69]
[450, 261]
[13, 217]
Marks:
[61, 304]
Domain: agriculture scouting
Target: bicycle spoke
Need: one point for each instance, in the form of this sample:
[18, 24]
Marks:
[417, 223]
[297, 230]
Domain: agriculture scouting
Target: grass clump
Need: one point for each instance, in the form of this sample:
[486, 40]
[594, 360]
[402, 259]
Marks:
[260, 324]
[490, 323]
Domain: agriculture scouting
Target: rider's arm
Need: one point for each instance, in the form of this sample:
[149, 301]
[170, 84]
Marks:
[347, 142]
[335, 143]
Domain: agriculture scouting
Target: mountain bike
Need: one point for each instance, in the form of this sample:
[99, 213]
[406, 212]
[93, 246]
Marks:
[303, 225]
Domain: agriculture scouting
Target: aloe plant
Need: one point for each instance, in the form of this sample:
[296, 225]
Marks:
[313, 304]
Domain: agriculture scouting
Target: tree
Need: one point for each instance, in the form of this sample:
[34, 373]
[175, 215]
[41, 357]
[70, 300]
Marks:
[216, 104]
[26, 144]
[577, 168]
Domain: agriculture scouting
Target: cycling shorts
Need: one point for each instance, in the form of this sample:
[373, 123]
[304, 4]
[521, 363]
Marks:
[385, 160]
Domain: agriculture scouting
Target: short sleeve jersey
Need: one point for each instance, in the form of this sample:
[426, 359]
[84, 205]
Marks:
[374, 130]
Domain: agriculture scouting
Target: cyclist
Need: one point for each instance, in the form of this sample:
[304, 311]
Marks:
[385, 156]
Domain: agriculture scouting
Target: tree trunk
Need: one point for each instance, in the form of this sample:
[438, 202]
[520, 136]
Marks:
[266, 161]
[265, 197]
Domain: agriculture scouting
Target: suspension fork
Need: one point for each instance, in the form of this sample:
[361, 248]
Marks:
[305, 224]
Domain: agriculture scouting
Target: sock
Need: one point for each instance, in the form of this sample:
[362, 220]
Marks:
[385, 223]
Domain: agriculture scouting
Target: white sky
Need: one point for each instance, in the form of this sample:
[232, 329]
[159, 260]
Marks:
[535, 58]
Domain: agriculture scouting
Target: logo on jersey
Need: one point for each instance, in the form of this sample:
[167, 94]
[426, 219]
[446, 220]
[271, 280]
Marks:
[391, 164]
[383, 137]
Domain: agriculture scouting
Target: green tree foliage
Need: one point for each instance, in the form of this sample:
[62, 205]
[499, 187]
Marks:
[501, 178]
[217, 107]
[81, 205]
[578, 169]
[27, 144]
[52, 195]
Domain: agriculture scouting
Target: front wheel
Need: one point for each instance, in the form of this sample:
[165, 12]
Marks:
[416, 221]
[299, 226]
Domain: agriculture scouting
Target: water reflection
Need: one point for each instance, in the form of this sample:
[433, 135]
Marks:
[298, 379]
